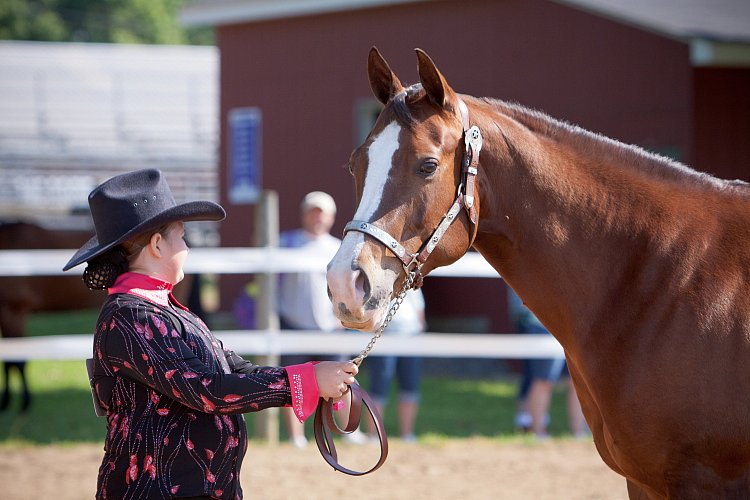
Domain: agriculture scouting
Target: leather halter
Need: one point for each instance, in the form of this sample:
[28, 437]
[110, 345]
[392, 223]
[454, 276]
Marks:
[465, 198]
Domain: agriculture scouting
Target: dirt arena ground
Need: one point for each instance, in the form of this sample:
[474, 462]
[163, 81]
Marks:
[470, 469]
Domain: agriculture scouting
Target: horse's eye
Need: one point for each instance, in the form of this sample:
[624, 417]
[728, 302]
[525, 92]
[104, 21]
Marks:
[350, 167]
[428, 166]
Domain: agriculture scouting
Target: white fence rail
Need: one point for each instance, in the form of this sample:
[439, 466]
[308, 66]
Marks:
[269, 342]
[224, 261]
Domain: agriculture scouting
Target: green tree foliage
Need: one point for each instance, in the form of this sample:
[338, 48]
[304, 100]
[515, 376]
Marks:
[115, 21]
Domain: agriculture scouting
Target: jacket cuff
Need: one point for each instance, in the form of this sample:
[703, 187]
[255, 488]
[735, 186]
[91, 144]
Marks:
[304, 389]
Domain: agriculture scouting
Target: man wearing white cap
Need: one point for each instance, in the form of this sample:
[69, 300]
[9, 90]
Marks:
[303, 302]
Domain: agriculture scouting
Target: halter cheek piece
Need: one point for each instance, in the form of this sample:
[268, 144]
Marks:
[465, 198]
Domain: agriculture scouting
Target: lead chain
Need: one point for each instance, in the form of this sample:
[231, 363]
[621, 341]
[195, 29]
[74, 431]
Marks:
[388, 317]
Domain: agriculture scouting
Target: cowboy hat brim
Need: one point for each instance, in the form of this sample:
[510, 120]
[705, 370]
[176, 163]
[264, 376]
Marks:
[191, 211]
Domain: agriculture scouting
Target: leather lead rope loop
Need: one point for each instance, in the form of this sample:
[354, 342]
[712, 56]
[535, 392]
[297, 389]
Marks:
[325, 427]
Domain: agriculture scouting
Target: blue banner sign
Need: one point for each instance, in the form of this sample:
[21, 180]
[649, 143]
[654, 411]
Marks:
[244, 155]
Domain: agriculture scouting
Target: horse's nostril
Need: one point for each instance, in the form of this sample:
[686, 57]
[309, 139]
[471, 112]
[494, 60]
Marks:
[343, 310]
[363, 284]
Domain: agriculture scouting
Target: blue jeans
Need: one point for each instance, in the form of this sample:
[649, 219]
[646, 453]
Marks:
[408, 372]
[549, 369]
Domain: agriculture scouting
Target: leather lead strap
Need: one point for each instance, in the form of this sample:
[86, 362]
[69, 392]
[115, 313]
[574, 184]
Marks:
[325, 426]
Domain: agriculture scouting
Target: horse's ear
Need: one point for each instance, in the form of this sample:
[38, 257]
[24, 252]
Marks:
[432, 81]
[383, 81]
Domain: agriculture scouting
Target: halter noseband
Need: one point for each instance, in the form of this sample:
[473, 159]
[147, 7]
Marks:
[465, 198]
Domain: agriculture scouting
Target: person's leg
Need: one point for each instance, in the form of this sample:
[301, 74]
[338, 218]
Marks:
[545, 373]
[522, 419]
[538, 404]
[409, 373]
[576, 420]
[381, 370]
[294, 428]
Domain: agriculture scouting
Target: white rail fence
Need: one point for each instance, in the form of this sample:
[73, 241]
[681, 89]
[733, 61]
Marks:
[270, 260]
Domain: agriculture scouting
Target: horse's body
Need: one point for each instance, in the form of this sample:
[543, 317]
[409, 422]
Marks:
[636, 264]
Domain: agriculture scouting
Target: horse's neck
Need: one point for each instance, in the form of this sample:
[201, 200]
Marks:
[558, 221]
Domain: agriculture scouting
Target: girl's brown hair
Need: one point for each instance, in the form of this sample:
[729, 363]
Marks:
[102, 271]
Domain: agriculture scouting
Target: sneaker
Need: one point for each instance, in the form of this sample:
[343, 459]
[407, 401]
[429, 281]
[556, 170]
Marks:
[522, 421]
[356, 437]
[582, 436]
[409, 438]
[299, 442]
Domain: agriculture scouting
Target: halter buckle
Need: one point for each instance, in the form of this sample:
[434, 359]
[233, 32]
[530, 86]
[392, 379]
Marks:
[473, 140]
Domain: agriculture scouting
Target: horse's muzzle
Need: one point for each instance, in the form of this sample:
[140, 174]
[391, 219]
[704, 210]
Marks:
[359, 294]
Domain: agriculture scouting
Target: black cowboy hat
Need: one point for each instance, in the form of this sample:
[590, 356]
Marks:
[129, 204]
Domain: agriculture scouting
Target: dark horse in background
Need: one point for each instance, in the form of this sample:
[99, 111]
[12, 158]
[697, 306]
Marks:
[21, 295]
[639, 266]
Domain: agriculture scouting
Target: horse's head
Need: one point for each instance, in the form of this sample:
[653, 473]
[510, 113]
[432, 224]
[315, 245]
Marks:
[407, 174]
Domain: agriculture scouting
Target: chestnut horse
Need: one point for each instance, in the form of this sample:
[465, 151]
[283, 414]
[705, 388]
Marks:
[638, 266]
[21, 295]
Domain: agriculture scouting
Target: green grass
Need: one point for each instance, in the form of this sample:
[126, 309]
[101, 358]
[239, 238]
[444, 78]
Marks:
[62, 323]
[459, 408]
[62, 410]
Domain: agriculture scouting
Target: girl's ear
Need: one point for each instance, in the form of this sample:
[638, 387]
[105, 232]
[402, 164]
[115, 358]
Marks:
[153, 244]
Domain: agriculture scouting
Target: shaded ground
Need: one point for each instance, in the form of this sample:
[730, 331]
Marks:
[455, 469]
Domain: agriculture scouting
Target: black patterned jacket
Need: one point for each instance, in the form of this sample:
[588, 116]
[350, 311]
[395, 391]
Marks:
[175, 397]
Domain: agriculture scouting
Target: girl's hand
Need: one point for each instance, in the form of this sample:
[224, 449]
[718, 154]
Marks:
[335, 377]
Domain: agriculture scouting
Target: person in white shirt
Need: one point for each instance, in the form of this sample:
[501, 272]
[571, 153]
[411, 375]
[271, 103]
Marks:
[302, 301]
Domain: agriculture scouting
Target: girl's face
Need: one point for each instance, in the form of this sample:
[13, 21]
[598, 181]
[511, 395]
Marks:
[174, 251]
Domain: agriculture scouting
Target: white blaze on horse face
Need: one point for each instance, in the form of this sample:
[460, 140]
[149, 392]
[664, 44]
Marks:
[380, 161]
[345, 270]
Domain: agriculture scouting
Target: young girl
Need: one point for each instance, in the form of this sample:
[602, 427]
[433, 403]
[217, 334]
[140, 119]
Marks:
[172, 393]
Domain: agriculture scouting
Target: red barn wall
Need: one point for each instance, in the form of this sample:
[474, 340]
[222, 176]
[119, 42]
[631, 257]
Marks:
[722, 122]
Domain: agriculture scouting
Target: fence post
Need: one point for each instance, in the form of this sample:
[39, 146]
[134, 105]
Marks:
[267, 235]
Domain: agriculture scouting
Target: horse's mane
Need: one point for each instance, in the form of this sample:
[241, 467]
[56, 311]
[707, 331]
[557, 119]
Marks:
[651, 163]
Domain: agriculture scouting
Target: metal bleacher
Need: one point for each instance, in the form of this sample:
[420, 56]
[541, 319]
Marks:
[73, 114]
